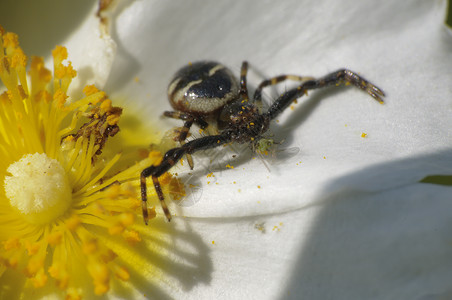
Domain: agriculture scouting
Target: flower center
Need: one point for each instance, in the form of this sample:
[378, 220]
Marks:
[38, 188]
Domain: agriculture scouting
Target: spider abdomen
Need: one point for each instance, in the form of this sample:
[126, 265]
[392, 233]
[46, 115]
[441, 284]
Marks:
[202, 88]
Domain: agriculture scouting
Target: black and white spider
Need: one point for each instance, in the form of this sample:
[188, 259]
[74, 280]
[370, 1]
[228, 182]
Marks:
[207, 91]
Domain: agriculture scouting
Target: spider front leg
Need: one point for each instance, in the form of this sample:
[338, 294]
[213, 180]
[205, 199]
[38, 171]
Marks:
[243, 92]
[170, 158]
[257, 98]
[335, 78]
[188, 122]
[144, 206]
[348, 76]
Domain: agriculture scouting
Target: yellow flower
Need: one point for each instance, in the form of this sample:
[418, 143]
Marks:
[69, 219]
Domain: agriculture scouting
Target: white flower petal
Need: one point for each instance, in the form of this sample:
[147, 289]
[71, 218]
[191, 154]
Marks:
[74, 25]
[348, 222]
[356, 224]
[399, 47]
[92, 51]
[393, 244]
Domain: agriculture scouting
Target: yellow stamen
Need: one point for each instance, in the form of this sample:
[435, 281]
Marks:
[68, 211]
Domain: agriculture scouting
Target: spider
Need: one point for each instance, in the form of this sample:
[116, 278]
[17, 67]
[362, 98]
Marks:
[206, 91]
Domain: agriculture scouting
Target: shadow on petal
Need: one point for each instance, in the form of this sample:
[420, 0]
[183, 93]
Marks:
[380, 235]
[44, 15]
[171, 256]
[12, 284]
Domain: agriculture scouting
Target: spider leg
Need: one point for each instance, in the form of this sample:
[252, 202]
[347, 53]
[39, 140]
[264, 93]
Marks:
[144, 207]
[170, 158]
[335, 78]
[243, 92]
[257, 98]
[188, 122]
[187, 117]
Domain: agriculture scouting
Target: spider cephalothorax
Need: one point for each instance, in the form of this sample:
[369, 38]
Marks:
[207, 91]
[244, 120]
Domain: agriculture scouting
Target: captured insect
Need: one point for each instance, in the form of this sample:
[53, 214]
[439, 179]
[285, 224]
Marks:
[206, 92]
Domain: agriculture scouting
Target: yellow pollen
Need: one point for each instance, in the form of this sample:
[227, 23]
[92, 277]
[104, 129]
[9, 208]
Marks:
[12, 243]
[34, 265]
[151, 213]
[32, 248]
[59, 54]
[22, 92]
[101, 277]
[106, 105]
[39, 70]
[90, 90]
[73, 222]
[54, 238]
[40, 279]
[11, 40]
[127, 219]
[60, 98]
[132, 236]
[122, 273]
[165, 179]
[113, 119]
[4, 99]
[90, 246]
[61, 276]
[19, 59]
[115, 229]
